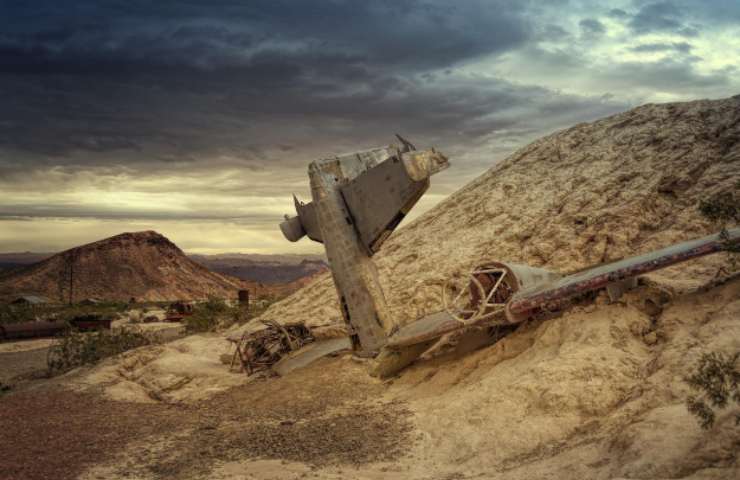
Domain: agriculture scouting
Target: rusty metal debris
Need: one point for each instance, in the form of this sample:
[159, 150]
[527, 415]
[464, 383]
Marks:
[176, 311]
[43, 328]
[529, 302]
[358, 200]
[259, 350]
[501, 294]
[309, 354]
[17, 331]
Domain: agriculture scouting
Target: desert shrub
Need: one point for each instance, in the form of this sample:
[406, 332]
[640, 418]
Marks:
[216, 313]
[209, 315]
[716, 380]
[74, 349]
[722, 206]
[17, 314]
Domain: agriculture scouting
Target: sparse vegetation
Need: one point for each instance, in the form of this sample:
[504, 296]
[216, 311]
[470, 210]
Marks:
[74, 349]
[723, 206]
[14, 314]
[209, 315]
[216, 313]
[716, 379]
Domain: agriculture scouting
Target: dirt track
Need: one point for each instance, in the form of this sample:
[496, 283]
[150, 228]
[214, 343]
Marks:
[24, 364]
[295, 418]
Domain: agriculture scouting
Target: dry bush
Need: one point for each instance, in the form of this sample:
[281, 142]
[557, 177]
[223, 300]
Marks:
[74, 349]
[215, 313]
[723, 206]
[210, 314]
[716, 380]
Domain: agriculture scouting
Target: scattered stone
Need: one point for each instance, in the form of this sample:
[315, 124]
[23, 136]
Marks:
[651, 338]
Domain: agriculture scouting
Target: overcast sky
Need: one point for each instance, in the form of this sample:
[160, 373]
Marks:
[198, 118]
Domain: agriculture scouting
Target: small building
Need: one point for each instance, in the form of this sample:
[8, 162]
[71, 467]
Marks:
[30, 300]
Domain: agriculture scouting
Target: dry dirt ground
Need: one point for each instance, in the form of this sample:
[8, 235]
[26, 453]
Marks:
[594, 393]
[329, 414]
[23, 364]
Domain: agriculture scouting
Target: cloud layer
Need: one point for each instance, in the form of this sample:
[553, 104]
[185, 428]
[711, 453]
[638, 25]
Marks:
[176, 113]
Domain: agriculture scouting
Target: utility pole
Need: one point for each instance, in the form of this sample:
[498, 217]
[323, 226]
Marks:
[71, 260]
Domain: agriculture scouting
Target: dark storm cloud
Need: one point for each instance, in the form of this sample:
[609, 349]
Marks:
[186, 109]
[174, 80]
[133, 34]
[617, 13]
[682, 17]
[591, 26]
[551, 32]
[688, 18]
[679, 76]
[661, 17]
[682, 47]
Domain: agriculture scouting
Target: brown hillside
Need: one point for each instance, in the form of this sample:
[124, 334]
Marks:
[143, 265]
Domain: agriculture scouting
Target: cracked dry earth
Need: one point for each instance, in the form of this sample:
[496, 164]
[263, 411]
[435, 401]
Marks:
[328, 414]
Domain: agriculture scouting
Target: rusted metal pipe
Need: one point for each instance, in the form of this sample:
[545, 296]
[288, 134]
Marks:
[17, 331]
[21, 330]
[528, 302]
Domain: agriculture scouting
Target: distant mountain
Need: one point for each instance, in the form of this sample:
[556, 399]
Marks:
[13, 260]
[267, 269]
[143, 265]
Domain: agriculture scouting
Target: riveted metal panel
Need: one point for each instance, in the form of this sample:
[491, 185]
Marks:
[379, 198]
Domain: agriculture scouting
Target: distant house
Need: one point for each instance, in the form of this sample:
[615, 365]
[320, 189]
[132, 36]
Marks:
[30, 300]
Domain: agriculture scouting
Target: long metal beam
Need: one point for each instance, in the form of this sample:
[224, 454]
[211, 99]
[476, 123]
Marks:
[529, 301]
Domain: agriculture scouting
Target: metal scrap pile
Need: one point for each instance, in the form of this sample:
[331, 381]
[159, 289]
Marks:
[259, 350]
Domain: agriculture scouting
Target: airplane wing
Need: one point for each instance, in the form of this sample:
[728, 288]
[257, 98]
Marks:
[377, 194]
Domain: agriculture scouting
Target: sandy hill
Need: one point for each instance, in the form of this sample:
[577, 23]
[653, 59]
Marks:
[143, 265]
[594, 393]
[595, 192]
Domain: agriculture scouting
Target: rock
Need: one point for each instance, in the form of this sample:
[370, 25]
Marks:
[650, 338]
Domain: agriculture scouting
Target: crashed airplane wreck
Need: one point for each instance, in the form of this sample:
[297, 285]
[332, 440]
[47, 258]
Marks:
[360, 198]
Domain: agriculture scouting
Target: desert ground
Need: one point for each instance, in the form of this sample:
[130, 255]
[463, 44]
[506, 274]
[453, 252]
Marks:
[595, 391]
[523, 408]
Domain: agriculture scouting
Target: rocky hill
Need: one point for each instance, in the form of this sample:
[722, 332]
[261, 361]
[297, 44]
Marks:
[620, 186]
[143, 265]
